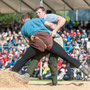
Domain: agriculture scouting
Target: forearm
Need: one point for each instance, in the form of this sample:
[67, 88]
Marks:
[27, 41]
[50, 25]
[60, 23]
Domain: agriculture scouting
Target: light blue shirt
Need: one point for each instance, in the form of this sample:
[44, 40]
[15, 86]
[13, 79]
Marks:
[33, 26]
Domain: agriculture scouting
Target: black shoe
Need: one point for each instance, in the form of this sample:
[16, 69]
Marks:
[55, 84]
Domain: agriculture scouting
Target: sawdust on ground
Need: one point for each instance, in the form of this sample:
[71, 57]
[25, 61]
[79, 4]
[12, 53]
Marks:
[10, 81]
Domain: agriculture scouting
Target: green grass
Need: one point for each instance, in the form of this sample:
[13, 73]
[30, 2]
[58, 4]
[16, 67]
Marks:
[36, 79]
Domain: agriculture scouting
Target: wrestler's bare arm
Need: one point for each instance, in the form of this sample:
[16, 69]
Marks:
[50, 25]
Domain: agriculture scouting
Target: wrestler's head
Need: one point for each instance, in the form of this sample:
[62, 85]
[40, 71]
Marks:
[25, 17]
[40, 12]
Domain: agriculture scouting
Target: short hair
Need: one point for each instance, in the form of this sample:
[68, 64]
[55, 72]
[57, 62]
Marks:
[25, 16]
[43, 9]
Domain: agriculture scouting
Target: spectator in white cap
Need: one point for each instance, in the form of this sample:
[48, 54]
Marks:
[84, 34]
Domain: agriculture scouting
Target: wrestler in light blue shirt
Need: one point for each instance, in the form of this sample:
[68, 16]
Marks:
[33, 26]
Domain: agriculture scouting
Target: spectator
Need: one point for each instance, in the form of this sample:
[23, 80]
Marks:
[13, 62]
[84, 34]
[76, 25]
[65, 72]
[5, 59]
[46, 70]
[88, 27]
[59, 64]
[71, 33]
[15, 41]
[68, 47]
[68, 37]
[70, 25]
[87, 43]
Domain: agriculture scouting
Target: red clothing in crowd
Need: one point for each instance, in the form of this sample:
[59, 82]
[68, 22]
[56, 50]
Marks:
[71, 34]
[39, 64]
[59, 65]
[4, 60]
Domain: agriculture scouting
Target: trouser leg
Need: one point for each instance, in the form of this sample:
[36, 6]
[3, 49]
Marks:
[30, 52]
[34, 62]
[58, 50]
[53, 67]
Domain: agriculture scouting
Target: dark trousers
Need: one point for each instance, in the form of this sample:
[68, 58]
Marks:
[56, 49]
[52, 65]
[53, 59]
[59, 51]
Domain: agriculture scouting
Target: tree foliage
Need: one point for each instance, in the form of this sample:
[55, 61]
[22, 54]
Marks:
[63, 14]
[5, 18]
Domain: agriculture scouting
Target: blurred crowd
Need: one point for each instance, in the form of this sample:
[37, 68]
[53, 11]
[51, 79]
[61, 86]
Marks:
[76, 42]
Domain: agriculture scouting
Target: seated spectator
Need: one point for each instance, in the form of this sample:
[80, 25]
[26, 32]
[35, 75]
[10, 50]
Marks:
[9, 59]
[82, 52]
[14, 52]
[9, 36]
[46, 73]
[68, 47]
[74, 36]
[13, 62]
[87, 43]
[78, 37]
[72, 33]
[65, 33]
[59, 64]
[18, 52]
[77, 50]
[62, 71]
[65, 72]
[5, 59]
[22, 46]
[84, 34]
[10, 53]
[15, 41]
[82, 43]
[75, 44]
[68, 37]
[10, 44]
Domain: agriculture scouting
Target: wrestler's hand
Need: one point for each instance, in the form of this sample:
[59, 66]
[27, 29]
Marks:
[53, 33]
[32, 37]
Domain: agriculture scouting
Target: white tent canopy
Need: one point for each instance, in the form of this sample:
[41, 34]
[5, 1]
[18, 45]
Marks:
[11, 6]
